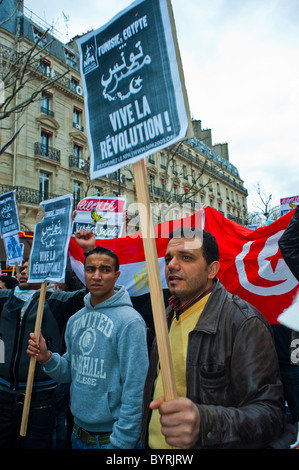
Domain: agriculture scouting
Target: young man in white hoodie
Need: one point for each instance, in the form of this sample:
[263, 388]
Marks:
[106, 360]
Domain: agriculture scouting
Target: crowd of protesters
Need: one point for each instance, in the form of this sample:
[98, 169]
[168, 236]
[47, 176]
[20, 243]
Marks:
[234, 388]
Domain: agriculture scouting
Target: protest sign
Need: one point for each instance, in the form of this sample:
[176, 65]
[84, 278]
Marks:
[47, 263]
[50, 243]
[10, 227]
[136, 104]
[103, 215]
[135, 98]
[287, 204]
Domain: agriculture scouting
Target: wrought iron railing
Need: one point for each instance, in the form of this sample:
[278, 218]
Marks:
[23, 194]
[46, 151]
[78, 163]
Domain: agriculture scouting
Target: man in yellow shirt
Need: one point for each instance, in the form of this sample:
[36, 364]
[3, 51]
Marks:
[226, 369]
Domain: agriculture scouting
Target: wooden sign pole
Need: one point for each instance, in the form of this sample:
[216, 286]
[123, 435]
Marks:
[154, 279]
[32, 363]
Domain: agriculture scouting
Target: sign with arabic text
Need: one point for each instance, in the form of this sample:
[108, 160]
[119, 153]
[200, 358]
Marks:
[135, 98]
[9, 216]
[10, 227]
[51, 240]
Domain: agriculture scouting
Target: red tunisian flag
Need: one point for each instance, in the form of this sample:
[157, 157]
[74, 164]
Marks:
[251, 264]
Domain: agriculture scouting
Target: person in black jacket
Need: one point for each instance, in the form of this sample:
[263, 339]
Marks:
[225, 366]
[18, 309]
[285, 337]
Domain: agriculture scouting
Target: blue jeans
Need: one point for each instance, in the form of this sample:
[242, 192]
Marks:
[40, 421]
[62, 399]
[78, 444]
[101, 442]
[98, 441]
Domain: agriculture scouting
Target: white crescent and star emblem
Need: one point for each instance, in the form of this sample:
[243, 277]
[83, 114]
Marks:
[272, 270]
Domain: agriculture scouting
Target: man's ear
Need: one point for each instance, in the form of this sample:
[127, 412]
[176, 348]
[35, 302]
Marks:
[117, 274]
[213, 269]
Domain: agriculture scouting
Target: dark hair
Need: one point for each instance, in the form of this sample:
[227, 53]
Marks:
[9, 281]
[209, 244]
[100, 250]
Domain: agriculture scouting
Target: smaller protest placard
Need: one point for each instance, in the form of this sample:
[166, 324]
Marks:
[10, 227]
[51, 240]
[103, 215]
[287, 204]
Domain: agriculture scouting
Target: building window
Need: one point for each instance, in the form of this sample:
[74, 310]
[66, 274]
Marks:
[77, 118]
[44, 185]
[74, 84]
[193, 176]
[175, 191]
[151, 183]
[45, 141]
[77, 191]
[46, 104]
[70, 58]
[39, 36]
[77, 154]
[97, 191]
[45, 67]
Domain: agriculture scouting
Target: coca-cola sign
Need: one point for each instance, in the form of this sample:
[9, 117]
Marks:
[103, 215]
[87, 204]
[101, 204]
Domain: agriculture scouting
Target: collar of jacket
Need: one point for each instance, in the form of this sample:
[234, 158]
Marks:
[14, 303]
[209, 319]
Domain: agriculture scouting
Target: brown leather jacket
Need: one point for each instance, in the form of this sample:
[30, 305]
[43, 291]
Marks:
[232, 376]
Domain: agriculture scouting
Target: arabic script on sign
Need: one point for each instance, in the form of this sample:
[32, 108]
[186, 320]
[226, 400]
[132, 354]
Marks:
[119, 72]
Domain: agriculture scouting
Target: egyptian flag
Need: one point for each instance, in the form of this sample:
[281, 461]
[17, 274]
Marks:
[251, 265]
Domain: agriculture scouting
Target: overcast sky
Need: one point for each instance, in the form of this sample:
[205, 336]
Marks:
[241, 67]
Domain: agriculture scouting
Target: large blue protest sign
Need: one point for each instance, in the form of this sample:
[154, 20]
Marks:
[135, 97]
[10, 227]
[51, 240]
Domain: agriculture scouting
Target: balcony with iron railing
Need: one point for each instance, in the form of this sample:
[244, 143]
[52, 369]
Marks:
[78, 163]
[46, 111]
[46, 151]
[27, 195]
[78, 126]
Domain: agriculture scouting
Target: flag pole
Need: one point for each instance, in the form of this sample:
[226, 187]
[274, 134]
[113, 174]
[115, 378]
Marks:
[31, 371]
[154, 279]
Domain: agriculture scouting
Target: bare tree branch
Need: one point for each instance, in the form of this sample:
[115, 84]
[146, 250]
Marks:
[19, 70]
